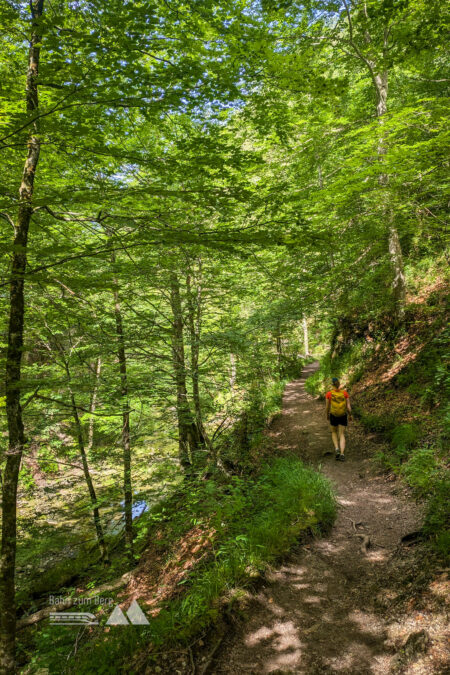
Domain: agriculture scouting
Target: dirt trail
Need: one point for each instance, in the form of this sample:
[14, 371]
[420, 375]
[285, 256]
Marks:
[319, 612]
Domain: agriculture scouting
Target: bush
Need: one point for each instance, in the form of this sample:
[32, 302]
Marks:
[349, 366]
[26, 479]
[428, 377]
[404, 437]
[46, 459]
[376, 423]
[420, 471]
[261, 405]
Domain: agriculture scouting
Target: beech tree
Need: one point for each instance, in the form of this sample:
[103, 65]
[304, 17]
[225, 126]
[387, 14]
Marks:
[193, 191]
[16, 437]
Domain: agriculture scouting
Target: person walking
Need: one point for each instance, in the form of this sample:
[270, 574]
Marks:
[338, 413]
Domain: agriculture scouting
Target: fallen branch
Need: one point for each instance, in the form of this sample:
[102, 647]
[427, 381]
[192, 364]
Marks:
[44, 613]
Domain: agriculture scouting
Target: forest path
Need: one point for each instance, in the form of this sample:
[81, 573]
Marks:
[320, 611]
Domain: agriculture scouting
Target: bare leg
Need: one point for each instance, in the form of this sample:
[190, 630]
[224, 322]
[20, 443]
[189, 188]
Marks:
[334, 436]
[342, 439]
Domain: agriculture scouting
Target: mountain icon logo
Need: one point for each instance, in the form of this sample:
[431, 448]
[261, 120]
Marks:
[135, 616]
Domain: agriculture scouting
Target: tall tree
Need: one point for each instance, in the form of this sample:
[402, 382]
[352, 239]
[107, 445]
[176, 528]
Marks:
[373, 50]
[16, 439]
[188, 432]
[87, 474]
[194, 303]
[124, 398]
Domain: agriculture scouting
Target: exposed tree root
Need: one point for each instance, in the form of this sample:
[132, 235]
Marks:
[205, 667]
[365, 543]
[354, 524]
[412, 538]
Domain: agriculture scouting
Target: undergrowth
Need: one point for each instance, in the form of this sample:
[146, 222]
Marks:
[252, 517]
[255, 519]
[348, 366]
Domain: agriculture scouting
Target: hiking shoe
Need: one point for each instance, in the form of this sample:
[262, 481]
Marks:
[341, 458]
[337, 455]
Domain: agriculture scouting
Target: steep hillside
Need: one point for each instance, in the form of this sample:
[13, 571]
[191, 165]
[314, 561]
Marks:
[399, 381]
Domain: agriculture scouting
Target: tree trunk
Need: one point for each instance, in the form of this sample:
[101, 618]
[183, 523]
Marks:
[93, 404]
[126, 443]
[87, 476]
[194, 320]
[232, 373]
[380, 80]
[188, 439]
[305, 336]
[381, 86]
[279, 352]
[398, 284]
[16, 438]
[394, 246]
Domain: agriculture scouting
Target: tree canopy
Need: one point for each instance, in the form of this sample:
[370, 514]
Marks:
[188, 187]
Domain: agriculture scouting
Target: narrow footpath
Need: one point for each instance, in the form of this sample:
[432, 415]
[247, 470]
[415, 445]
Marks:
[326, 610]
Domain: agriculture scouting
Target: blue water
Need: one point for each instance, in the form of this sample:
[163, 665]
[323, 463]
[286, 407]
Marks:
[139, 507]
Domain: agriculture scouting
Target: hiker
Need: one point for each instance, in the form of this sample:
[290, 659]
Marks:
[338, 405]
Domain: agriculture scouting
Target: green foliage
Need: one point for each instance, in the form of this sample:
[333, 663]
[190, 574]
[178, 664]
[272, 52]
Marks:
[348, 366]
[401, 438]
[404, 437]
[426, 472]
[246, 163]
[421, 470]
[437, 517]
[47, 573]
[261, 405]
[377, 423]
[319, 383]
[26, 478]
[428, 376]
[426, 379]
[46, 459]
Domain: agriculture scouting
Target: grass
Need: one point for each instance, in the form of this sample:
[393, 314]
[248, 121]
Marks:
[437, 515]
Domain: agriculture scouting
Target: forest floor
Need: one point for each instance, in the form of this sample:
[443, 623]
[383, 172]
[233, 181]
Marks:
[335, 606]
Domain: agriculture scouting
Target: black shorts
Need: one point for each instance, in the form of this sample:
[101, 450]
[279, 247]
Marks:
[338, 421]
